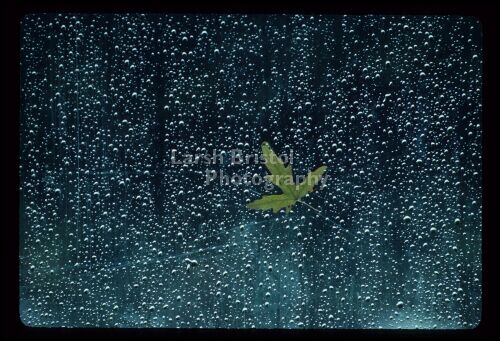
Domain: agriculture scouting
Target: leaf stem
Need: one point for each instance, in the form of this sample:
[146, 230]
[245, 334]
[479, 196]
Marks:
[319, 212]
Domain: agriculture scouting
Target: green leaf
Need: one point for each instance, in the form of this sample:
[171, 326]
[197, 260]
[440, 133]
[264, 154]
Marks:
[274, 162]
[275, 202]
[282, 177]
[309, 182]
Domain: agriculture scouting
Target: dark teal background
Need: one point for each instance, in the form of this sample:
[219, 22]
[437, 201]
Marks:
[109, 225]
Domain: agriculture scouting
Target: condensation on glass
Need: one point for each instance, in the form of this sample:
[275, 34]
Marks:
[115, 235]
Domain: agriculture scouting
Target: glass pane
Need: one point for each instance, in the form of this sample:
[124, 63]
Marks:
[134, 205]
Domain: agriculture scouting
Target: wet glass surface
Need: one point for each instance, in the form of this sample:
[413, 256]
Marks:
[114, 234]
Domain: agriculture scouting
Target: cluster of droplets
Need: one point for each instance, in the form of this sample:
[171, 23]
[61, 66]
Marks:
[114, 234]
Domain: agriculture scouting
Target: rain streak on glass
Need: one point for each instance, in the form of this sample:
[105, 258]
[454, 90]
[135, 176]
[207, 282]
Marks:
[113, 234]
